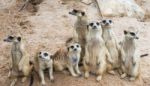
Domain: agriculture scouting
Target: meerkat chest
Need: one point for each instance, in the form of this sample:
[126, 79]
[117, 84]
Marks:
[74, 59]
[45, 64]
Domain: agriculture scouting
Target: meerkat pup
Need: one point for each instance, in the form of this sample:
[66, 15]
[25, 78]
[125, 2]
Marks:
[111, 43]
[80, 31]
[44, 61]
[21, 66]
[130, 60]
[96, 52]
[68, 58]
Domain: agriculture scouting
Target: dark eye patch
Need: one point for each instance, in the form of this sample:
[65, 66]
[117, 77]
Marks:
[72, 47]
[74, 10]
[45, 54]
[125, 32]
[39, 52]
[10, 37]
[19, 38]
[83, 13]
[91, 24]
[77, 45]
[110, 21]
[104, 21]
[132, 33]
[97, 23]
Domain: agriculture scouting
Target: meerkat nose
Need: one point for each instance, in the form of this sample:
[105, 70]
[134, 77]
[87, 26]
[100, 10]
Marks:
[75, 49]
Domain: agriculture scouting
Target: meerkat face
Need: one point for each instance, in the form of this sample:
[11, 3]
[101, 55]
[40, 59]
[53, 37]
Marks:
[94, 27]
[14, 39]
[106, 23]
[74, 47]
[44, 55]
[78, 13]
[130, 35]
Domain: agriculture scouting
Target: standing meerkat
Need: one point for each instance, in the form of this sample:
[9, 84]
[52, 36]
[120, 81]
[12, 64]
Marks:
[68, 58]
[21, 66]
[80, 28]
[131, 60]
[96, 53]
[43, 61]
[111, 44]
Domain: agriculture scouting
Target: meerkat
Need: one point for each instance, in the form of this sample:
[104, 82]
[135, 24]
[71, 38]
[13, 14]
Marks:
[111, 44]
[96, 52]
[131, 60]
[21, 65]
[68, 58]
[80, 26]
[42, 62]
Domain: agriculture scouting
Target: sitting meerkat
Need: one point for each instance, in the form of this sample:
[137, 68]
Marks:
[44, 61]
[111, 44]
[96, 52]
[80, 31]
[21, 65]
[68, 58]
[131, 60]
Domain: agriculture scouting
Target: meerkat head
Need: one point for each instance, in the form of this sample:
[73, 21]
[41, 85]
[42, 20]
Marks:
[94, 27]
[14, 39]
[130, 34]
[74, 47]
[44, 55]
[78, 13]
[106, 23]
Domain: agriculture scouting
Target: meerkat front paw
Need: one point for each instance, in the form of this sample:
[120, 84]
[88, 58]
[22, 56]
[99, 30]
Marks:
[86, 75]
[99, 78]
[112, 72]
[123, 75]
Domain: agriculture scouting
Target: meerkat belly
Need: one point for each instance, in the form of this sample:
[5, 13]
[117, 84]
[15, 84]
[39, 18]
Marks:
[16, 57]
[94, 52]
[129, 64]
[111, 46]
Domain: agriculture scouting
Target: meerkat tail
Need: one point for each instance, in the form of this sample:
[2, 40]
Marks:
[143, 55]
[32, 74]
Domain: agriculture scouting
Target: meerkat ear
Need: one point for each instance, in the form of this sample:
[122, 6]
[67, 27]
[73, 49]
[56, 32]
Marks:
[125, 32]
[19, 38]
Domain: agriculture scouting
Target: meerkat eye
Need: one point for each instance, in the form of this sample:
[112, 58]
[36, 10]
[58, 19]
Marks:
[74, 10]
[45, 54]
[72, 47]
[10, 37]
[132, 33]
[97, 23]
[77, 45]
[91, 24]
[40, 52]
[110, 21]
[104, 21]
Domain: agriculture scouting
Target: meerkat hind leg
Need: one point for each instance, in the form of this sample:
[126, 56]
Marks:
[71, 70]
[77, 69]
[14, 82]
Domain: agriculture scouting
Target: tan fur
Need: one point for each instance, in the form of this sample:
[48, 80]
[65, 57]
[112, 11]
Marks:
[41, 64]
[96, 53]
[20, 60]
[63, 59]
[131, 59]
[111, 43]
[80, 31]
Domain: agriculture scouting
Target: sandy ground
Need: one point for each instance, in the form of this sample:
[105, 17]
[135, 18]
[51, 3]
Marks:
[50, 27]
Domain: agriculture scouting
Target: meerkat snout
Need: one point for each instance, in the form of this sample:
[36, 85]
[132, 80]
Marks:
[106, 23]
[13, 39]
[94, 25]
[44, 55]
[130, 35]
[74, 48]
[77, 12]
